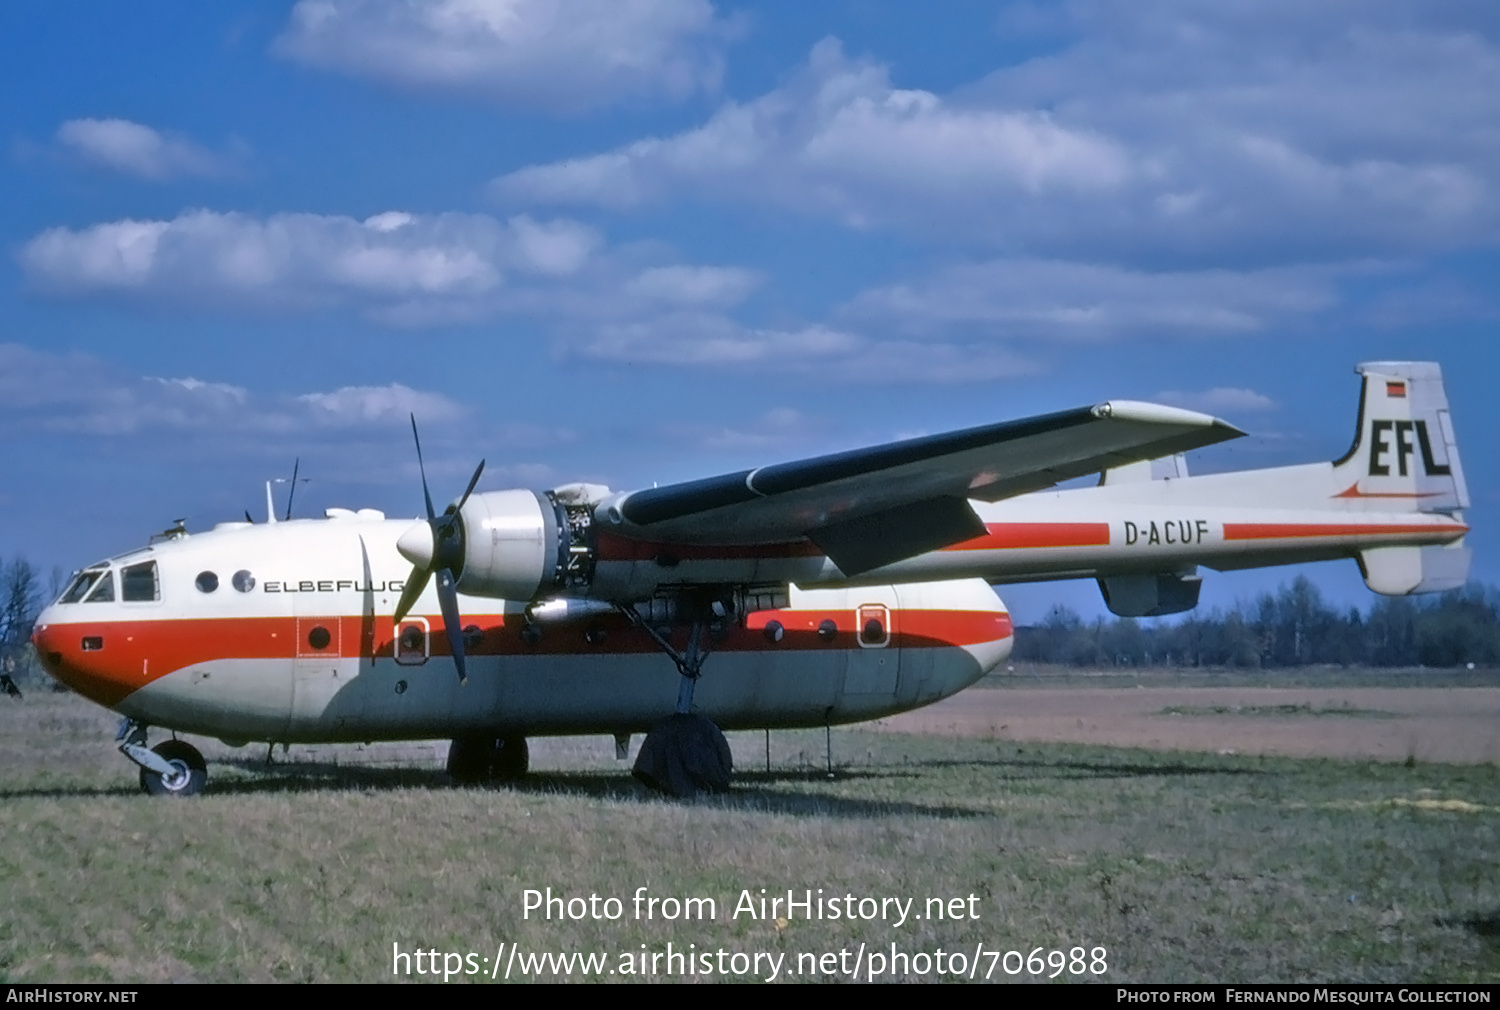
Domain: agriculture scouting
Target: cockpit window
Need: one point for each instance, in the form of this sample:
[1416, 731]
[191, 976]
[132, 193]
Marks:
[82, 583]
[103, 591]
[138, 583]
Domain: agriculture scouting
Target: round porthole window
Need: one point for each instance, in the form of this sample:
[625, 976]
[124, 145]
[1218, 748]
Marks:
[411, 639]
[319, 637]
[206, 582]
[243, 581]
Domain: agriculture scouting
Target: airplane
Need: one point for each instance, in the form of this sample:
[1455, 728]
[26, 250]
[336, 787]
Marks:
[828, 590]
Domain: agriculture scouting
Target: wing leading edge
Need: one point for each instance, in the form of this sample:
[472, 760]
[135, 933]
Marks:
[870, 507]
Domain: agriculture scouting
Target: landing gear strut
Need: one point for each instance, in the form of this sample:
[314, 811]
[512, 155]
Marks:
[478, 760]
[685, 753]
[171, 768]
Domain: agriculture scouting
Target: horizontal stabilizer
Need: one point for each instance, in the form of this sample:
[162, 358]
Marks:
[1399, 571]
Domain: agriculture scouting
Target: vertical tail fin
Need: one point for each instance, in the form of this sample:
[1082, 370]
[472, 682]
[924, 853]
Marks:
[1404, 457]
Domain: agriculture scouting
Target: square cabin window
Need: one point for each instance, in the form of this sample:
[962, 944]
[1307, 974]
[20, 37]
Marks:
[138, 583]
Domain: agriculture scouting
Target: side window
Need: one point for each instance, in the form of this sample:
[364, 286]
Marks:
[411, 642]
[874, 626]
[104, 592]
[139, 584]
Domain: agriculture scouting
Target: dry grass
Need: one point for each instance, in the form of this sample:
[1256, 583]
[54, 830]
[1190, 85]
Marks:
[1185, 867]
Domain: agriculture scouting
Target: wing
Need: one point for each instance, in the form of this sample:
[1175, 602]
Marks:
[870, 507]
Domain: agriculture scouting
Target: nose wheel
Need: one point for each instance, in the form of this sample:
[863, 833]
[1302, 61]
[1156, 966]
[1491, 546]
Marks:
[171, 768]
[187, 772]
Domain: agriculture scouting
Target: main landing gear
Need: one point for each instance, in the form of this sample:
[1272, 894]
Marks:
[479, 760]
[685, 753]
[171, 768]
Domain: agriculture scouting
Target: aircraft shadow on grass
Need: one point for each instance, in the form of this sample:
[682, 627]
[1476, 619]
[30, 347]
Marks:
[755, 790]
[1485, 925]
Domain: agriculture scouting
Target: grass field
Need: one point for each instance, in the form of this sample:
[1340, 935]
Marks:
[1184, 867]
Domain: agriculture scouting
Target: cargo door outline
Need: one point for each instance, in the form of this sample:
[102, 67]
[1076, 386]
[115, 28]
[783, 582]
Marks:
[873, 666]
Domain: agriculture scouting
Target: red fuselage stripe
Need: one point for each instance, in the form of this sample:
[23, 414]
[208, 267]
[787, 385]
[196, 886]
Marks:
[131, 654]
[1020, 536]
[1288, 531]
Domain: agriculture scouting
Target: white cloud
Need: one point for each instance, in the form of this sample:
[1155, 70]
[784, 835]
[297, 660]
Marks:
[81, 395]
[714, 341]
[559, 55]
[1052, 299]
[1222, 134]
[123, 146]
[359, 404]
[839, 139]
[780, 428]
[694, 285]
[306, 260]
[1220, 399]
[555, 248]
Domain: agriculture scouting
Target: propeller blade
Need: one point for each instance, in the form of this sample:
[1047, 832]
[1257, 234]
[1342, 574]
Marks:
[293, 492]
[415, 583]
[248, 519]
[470, 489]
[448, 600]
[418, 439]
[442, 555]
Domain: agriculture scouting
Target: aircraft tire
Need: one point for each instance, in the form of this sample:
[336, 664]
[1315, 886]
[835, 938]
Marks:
[512, 758]
[685, 755]
[470, 759]
[192, 771]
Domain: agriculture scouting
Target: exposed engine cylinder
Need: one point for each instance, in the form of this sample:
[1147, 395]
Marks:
[513, 547]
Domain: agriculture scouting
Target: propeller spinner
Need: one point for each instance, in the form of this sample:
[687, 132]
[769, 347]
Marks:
[437, 547]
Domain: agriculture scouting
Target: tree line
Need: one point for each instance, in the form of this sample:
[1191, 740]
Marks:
[1293, 627]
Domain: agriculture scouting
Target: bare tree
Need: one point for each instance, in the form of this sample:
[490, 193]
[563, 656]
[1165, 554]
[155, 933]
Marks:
[20, 603]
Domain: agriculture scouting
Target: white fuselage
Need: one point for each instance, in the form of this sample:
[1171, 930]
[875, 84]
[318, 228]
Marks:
[295, 642]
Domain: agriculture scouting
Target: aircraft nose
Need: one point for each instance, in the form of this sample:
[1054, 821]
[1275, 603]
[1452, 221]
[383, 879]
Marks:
[416, 546]
[46, 639]
[91, 659]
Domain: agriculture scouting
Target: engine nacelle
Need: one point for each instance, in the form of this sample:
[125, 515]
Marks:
[514, 546]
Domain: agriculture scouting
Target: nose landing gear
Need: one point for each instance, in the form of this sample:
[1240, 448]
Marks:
[171, 768]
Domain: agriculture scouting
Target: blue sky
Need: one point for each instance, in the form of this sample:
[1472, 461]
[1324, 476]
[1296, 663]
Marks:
[646, 241]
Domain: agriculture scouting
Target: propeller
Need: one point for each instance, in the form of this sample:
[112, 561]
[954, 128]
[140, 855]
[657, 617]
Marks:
[437, 547]
[293, 492]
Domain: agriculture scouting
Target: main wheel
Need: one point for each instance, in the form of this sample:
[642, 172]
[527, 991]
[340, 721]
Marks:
[189, 772]
[684, 755]
[470, 759]
[512, 758]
